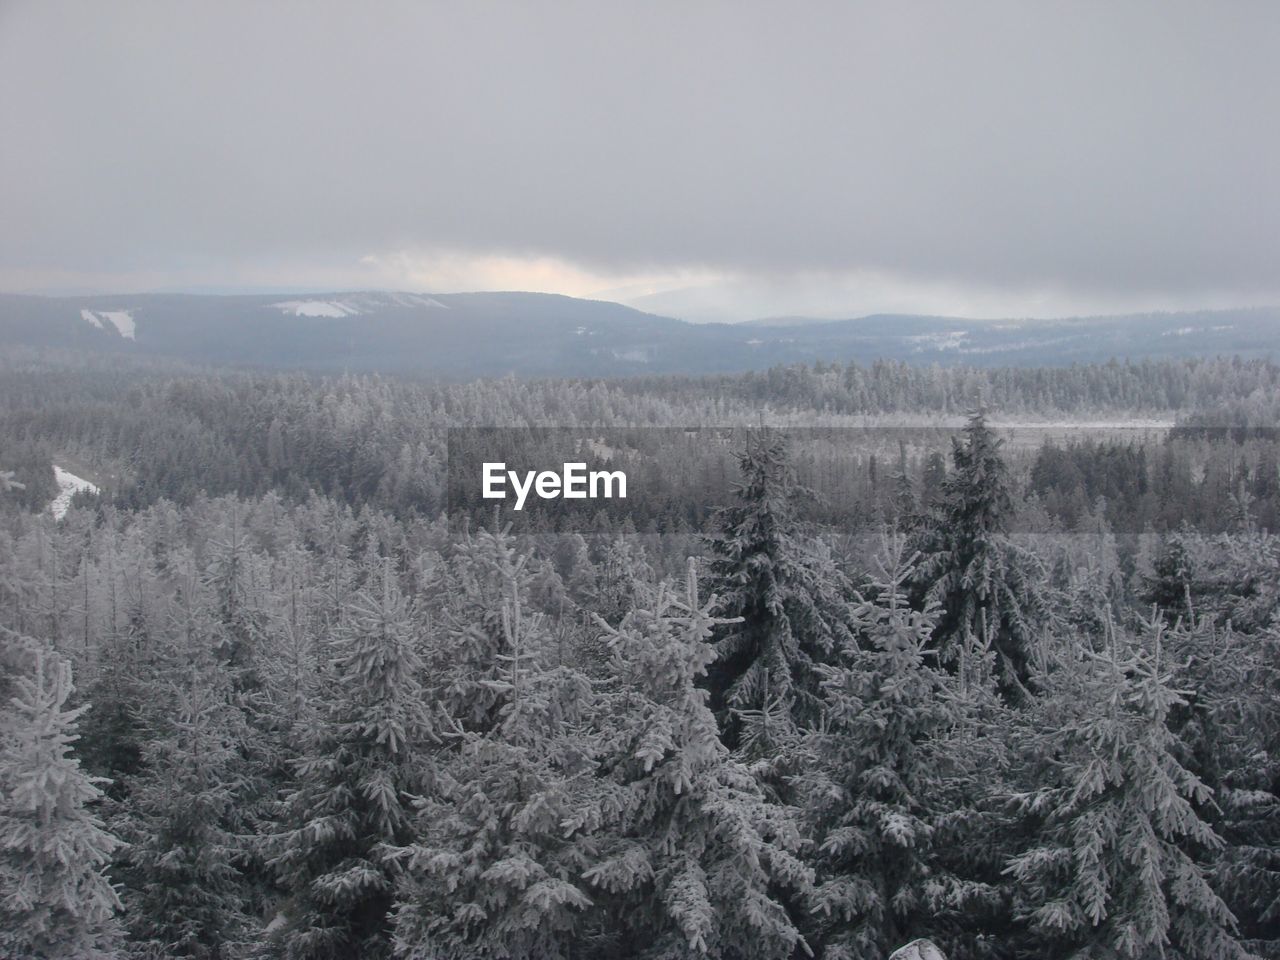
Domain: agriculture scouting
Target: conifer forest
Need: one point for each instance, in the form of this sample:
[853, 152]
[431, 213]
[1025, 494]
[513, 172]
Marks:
[264, 698]
[666, 480]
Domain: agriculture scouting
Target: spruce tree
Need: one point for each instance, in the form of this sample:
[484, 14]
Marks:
[184, 820]
[469, 663]
[55, 899]
[904, 507]
[688, 857]
[1232, 730]
[598, 819]
[363, 765]
[1248, 871]
[873, 787]
[491, 871]
[787, 603]
[1116, 866]
[984, 585]
[1230, 727]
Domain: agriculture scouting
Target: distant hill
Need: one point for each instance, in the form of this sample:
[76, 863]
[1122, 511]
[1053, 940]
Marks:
[467, 335]
[788, 321]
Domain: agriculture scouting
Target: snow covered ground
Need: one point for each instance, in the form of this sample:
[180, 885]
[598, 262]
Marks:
[355, 305]
[122, 320]
[1029, 434]
[68, 486]
[1137, 423]
[316, 308]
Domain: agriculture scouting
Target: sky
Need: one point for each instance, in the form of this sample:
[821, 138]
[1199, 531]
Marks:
[701, 159]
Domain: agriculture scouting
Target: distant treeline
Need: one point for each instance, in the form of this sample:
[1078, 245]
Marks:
[152, 433]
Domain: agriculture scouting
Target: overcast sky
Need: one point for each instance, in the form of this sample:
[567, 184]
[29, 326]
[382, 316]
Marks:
[712, 159]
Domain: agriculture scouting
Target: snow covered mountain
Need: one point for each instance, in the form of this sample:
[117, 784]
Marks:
[527, 334]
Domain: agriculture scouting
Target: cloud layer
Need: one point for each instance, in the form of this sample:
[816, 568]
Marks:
[1107, 152]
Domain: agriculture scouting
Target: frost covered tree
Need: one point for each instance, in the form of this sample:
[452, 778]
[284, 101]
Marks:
[1232, 731]
[362, 766]
[788, 602]
[687, 856]
[1248, 794]
[491, 871]
[184, 821]
[470, 660]
[1116, 863]
[873, 785]
[983, 584]
[55, 899]
[121, 666]
[1227, 578]
[598, 819]
[1230, 727]
[240, 618]
[905, 504]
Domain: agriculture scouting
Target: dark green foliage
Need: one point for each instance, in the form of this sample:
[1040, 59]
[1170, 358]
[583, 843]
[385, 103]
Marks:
[984, 585]
[112, 746]
[790, 599]
[185, 825]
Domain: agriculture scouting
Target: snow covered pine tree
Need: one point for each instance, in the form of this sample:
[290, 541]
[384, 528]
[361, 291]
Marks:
[787, 605]
[1116, 864]
[985, 585]
[354, 787]
[183, 819]
[874, 768]
[491, 872]
[55, 900]
[688, 854]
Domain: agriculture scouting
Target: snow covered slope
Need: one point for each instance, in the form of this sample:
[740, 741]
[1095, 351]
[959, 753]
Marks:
[68, 486]
[122, 320]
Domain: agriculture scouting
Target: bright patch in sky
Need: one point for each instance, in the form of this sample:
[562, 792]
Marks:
[451, 272]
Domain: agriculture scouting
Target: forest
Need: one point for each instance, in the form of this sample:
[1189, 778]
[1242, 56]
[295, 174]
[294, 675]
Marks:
[263, 697]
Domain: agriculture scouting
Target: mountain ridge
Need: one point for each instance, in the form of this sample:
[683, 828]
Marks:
[496, 333]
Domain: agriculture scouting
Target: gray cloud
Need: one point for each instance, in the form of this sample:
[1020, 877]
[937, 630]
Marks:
[1101, 149]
